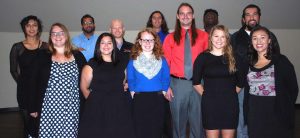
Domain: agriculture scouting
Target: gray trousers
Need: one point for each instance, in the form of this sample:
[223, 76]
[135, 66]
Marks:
[242, 131]
[185, 107]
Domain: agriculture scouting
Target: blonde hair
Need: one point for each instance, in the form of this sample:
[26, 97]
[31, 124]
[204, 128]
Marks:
[68, 45]
[227, 50]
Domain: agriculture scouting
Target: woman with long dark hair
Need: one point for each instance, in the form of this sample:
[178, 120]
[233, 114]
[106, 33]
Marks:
[107, 111]
[272, 89]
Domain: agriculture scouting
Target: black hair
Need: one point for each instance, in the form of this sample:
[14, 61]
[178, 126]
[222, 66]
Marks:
[25, 21]
[97, 52]
[87, 16]
[273, 47]
[251, 6]
[211, 10]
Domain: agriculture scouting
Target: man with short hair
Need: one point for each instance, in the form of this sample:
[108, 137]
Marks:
[210, 19]
[181, 48]
[86, 41]
[117, 29]
[240, 42]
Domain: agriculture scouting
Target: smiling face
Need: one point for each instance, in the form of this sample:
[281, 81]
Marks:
[251, 18]
[185, 16]
[31, 28]
[147, 42]
[58, 37]
[106, 46]
[218, 39]
[117, 29]
[156, 20]
[260, 41]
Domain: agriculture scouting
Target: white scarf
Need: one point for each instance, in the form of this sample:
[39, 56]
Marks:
[149, 67]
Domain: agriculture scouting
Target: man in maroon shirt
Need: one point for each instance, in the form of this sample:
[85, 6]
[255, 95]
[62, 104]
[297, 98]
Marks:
[186, 42]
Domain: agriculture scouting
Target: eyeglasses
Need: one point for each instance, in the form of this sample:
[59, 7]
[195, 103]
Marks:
[88, 23]
[147, 40]
[56, 34]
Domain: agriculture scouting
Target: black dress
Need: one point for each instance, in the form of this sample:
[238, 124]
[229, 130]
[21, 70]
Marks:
[219, 104]
[107, 111]
[21, 68]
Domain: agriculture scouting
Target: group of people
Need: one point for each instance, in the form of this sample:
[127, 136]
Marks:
[212, 82]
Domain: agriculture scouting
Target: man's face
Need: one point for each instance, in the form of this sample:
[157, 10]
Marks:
[117, 29]
[211, 18]
[156, 20]
[88, 26]
[251, 18]
[185, 16]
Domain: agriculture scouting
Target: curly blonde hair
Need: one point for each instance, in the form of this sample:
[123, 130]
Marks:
[137, 48]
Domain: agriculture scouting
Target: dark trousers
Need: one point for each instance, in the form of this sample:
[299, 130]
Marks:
[167, 130]
[31, 125]
[149, 114]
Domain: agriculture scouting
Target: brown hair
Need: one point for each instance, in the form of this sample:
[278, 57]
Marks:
[227, 50]
[177, 32]
[137, 48]
[68, 45]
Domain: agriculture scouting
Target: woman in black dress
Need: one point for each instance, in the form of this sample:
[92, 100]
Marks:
[107, 112]
[272, 89]
[217, 67]
[22, 56]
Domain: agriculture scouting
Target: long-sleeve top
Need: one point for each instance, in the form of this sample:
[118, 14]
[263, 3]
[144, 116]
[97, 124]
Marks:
[88, 44]
[286, 88]
[174, 53]
[21, 69]
[240, 42]
[162, 36]
[137, 82]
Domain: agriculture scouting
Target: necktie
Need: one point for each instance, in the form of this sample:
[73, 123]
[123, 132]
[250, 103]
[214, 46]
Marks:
[188, 73]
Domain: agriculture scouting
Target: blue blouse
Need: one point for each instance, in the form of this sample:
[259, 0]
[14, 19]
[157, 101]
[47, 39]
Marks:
[137, 82]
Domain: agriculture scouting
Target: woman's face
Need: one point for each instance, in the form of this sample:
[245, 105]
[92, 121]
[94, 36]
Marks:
[218, 39]
[260, 41]
[106, 46]
[58, 37]
[31, 28]
[147, 42]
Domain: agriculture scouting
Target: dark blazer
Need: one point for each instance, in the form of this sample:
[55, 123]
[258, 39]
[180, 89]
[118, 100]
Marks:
[240, 42]
[286, 88]
[43, 68]
[126, 47]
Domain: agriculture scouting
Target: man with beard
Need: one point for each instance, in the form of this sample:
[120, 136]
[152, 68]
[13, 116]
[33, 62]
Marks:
[87, 40]
[240, 41]
[210, 19]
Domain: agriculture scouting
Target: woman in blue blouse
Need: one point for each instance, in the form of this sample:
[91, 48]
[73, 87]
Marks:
[148, 79]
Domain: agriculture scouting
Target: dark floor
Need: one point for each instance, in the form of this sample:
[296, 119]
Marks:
[11, 124]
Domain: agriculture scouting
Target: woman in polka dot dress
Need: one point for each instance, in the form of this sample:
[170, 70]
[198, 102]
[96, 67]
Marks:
[58, 75]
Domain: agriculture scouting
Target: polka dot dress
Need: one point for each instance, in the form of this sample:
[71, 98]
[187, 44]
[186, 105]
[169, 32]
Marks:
[60, 110]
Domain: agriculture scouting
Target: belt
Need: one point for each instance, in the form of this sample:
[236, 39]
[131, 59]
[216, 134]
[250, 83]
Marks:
[180, 78]
[159, 92]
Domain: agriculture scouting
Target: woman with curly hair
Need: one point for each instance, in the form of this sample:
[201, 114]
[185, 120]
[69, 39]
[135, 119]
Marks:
[148, 79]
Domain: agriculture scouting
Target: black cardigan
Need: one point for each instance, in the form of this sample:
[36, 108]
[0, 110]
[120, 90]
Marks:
[43, 68]
[286, 88]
